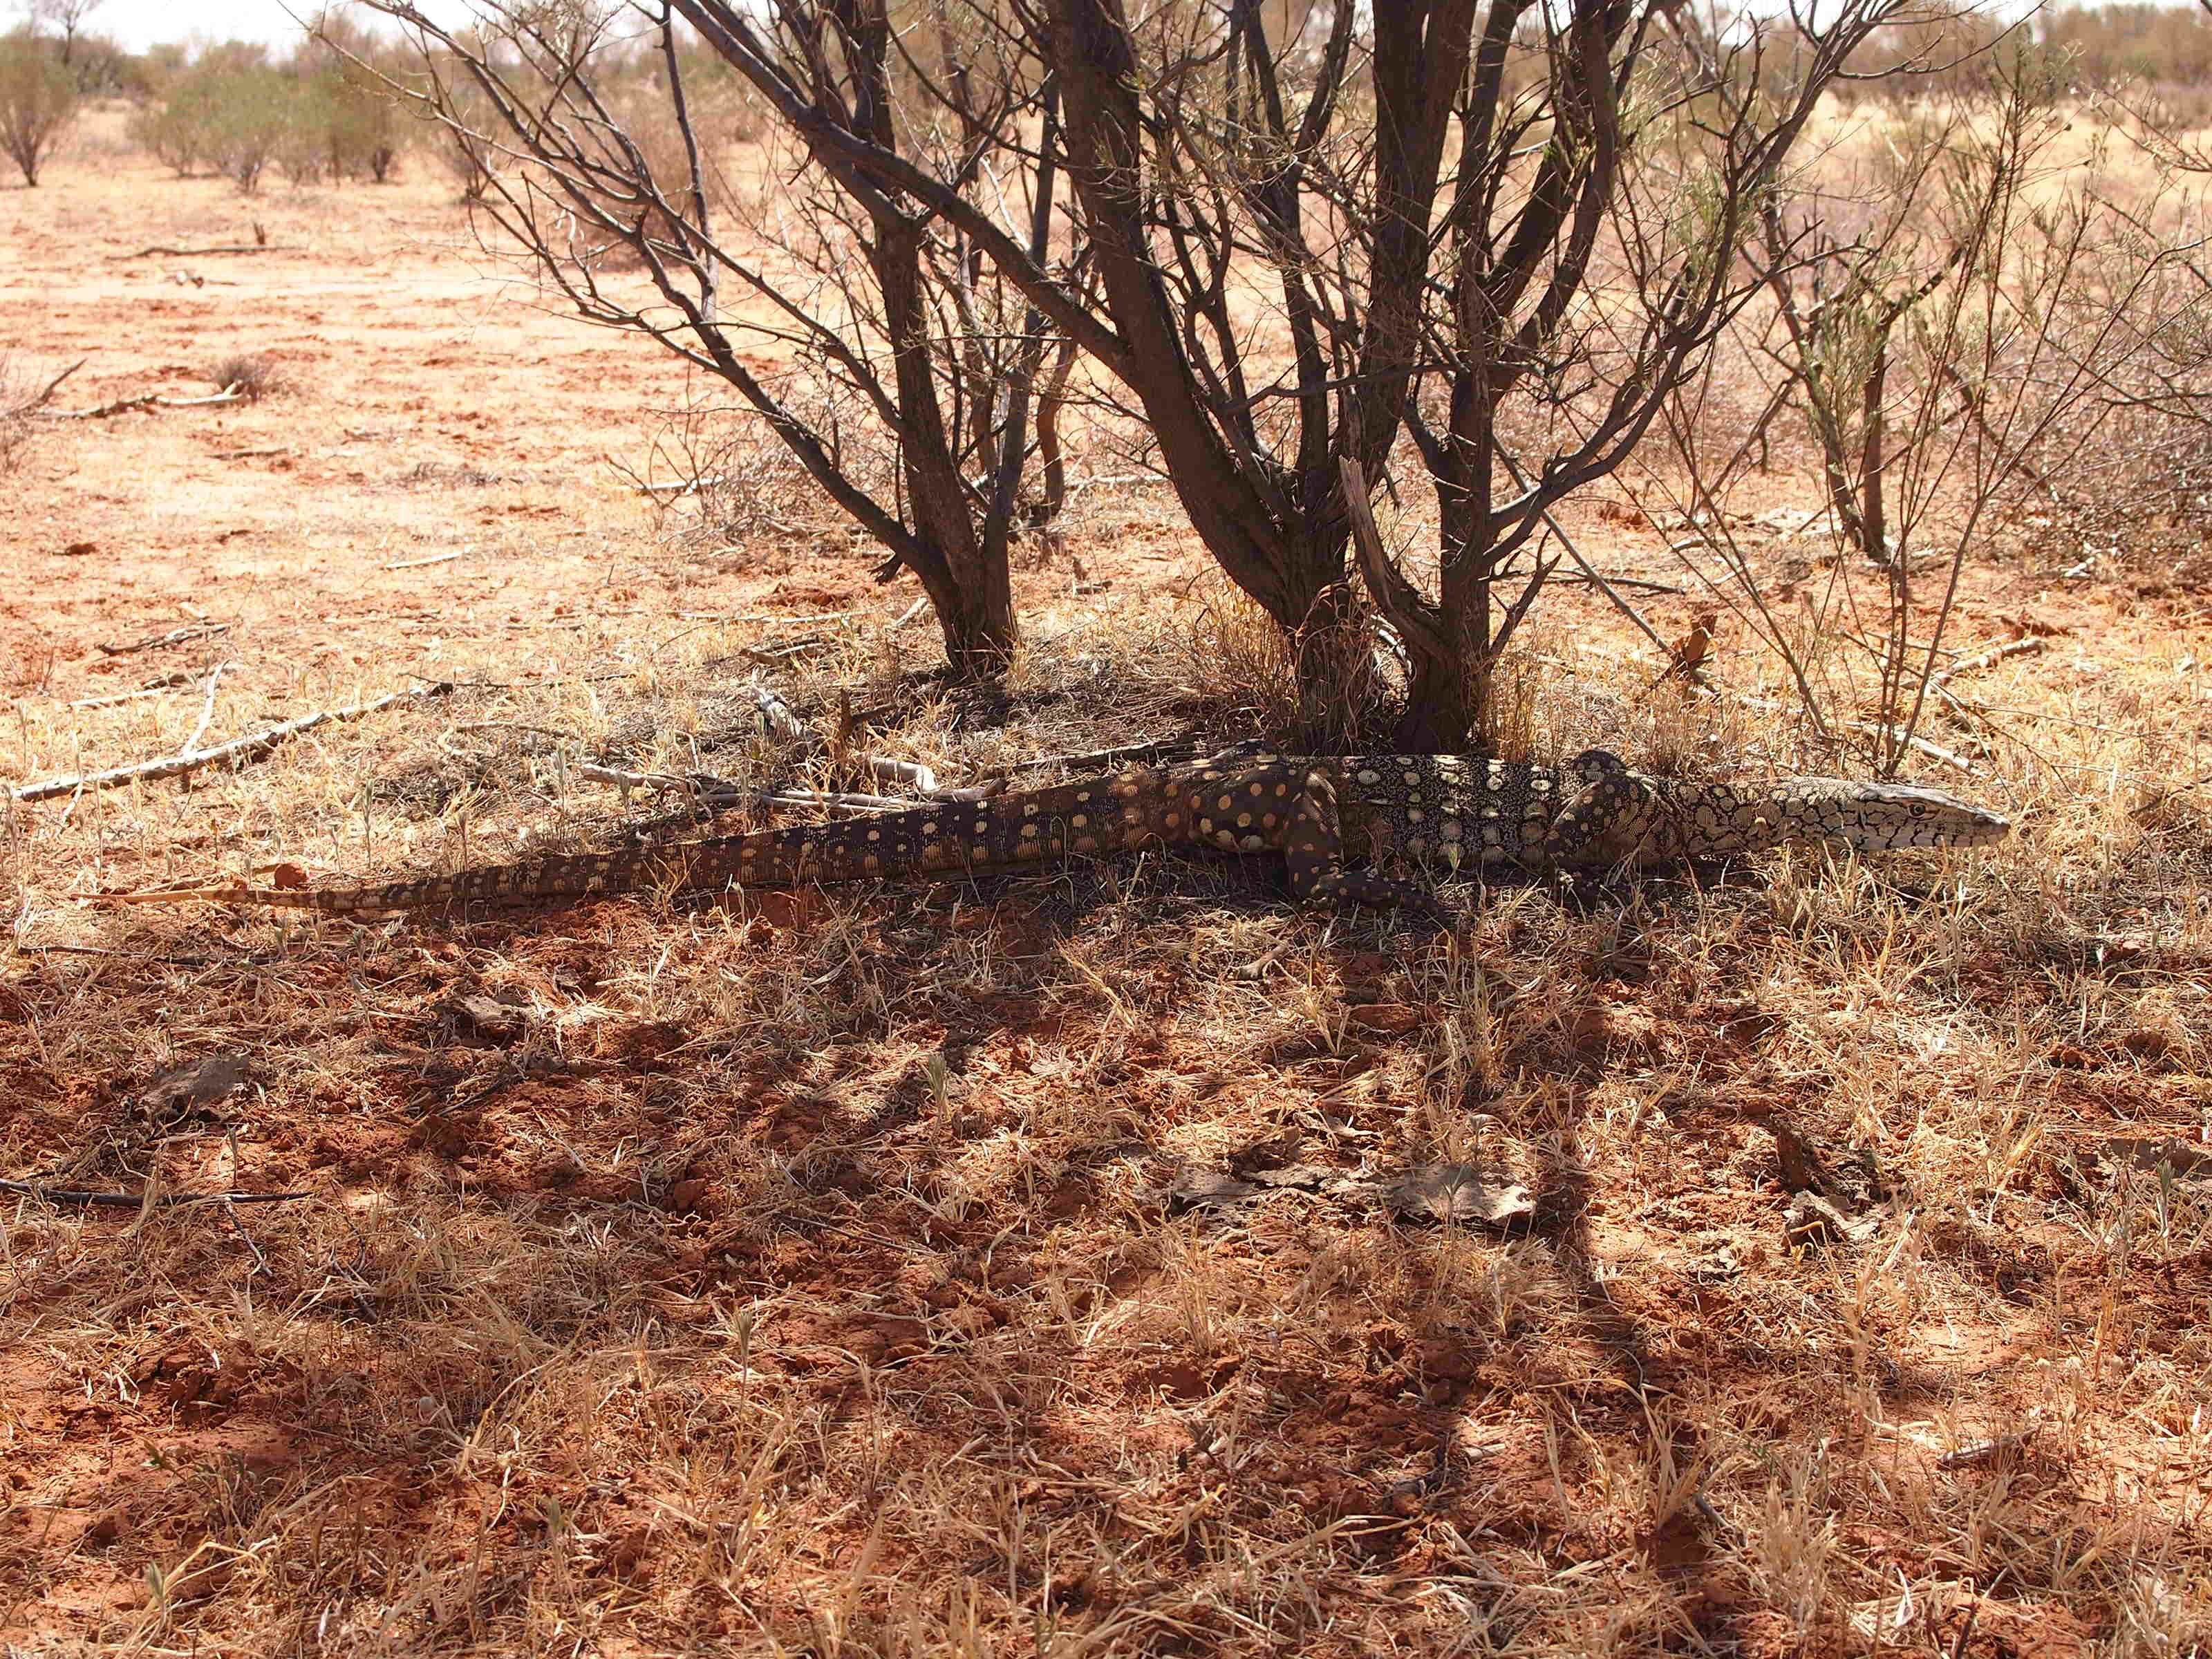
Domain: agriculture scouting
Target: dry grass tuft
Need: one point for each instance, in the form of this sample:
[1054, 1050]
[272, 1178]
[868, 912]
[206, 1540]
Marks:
[253, 375]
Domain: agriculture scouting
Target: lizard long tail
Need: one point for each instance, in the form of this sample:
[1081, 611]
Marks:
[942, 840]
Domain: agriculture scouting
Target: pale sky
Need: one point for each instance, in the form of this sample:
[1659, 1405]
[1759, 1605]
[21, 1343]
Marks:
[138, 24]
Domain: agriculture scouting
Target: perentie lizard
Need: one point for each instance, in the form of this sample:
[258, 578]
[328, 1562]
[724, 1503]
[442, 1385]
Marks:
[1321, 814]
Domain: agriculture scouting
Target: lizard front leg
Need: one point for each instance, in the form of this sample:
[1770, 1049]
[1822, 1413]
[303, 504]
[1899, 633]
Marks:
[1313, 847]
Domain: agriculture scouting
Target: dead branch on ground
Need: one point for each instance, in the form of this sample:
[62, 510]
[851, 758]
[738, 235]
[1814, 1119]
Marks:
[183, 636]
[160, 251]
[238, 749]
[229, 394]
[23, 410]
[141, 1200]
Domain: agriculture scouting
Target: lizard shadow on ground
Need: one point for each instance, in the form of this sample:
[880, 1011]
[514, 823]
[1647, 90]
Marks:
[874, 1252]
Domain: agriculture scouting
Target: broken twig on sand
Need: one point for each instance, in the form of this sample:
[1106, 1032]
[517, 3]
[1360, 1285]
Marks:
[138, 1200]
[207, 708]
[238, 749]
[189, 631]
[230, 394]
[45, 396]
[160, 252]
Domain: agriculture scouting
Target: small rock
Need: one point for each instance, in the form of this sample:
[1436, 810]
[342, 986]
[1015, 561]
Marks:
[1799, 1166]
[108, 1526]
[2174, 1156]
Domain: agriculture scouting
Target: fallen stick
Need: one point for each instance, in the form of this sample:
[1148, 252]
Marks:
[1919, 744]
[137, 1200]
[167, 683]
[202, 630]
[1996, 654]
[252, 454]
[238, 749]
[160, 252]
[1149, 753]
[720, 794]
[1934, 752]
[229, 394]
[1577, 579]
[683, 487]
[46, 397]
[899, 771]
[769, 618]
[772, 654]
[1984, 1452]
[417, 564]
[207, 708]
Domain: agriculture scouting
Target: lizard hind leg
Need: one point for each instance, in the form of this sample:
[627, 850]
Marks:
[1313, 849]
[1612, 821]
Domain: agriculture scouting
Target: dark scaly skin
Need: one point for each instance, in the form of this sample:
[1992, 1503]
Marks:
[1319, 814]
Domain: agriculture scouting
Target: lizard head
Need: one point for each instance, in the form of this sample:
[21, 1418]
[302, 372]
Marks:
[1621, 817]
[1871, 817]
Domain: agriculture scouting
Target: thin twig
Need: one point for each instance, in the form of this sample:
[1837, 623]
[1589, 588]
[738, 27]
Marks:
[719, 794]
[237, 748]
[167, 683]
[1984, 1451]
[207, 708]
[229, 394]
[230, 1211]
[685, 487]
[202, 630]
[771, 618]
[1642, 584]
[417, 564]
[47, 396]
[160, 251]
[1591, 572]
[138, 1200]
[1996, 654]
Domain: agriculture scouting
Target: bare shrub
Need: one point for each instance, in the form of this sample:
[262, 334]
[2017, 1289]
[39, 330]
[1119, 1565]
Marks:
[22, 397]
[229, 111]
[1334, 688]
[38, 101]
[1959, 326]
[1529, 231]
[15, 425]
[899, 357]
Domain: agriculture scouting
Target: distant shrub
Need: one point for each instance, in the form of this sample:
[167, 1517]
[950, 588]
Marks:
[38, 101]
[362, 127]
[222, 112]
[231, 112]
